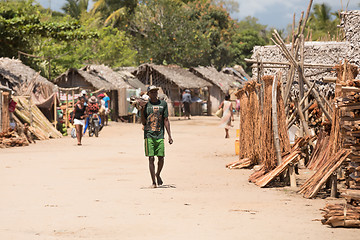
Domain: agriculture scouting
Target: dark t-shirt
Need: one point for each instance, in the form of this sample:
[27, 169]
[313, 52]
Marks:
[79, 112]
[155, 113]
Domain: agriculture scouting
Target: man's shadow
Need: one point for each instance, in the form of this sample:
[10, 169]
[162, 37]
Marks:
[160, 186]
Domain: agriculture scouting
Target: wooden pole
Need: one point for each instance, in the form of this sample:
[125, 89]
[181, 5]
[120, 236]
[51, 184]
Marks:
[66, 109]
[55, 114]
[5, 111]
[316, 95]
[333, 185]
[292, 176]
[275, 120]
[31, 113]
[1, 106]
[73, 99]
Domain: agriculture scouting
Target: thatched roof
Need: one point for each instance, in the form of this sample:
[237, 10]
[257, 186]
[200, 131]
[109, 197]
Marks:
[121, 78]
[130, 79]
[66, 80]
[24, 80]
[107, 73]
[174, 74]
[224, 81]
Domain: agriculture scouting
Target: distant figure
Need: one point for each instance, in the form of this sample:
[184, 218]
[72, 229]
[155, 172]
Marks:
[154, 117]
[84, 95]
[102, 108]
[78, 118]
[186, 100]
[228, 116]
[92, 107]
[237, 108]
[106, 100]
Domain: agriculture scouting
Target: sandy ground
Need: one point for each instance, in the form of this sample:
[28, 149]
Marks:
[57, 190]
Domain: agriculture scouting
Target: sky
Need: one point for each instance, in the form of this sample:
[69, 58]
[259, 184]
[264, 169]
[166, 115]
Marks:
[273, 13]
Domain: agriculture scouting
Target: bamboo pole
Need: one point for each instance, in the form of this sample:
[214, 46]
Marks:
[314, 92]
[275, 120]
[5, 111]
[66, 109]
[55, 114]
[1, 106]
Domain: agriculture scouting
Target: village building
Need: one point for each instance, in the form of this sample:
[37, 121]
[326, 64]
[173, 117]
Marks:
[127, 85]
[221, 85]
[92, 83]
[173, 80]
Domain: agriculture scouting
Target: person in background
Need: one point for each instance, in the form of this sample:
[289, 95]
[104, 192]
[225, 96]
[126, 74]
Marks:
[102, 108]
[78, 118]
[186, 100]
[91, 108]
[237, 107]
[85, 96]
[154, 117]
[106, 100]
[228, 116]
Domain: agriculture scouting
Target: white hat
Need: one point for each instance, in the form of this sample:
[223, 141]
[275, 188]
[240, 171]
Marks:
[83, 92]
[152, 87]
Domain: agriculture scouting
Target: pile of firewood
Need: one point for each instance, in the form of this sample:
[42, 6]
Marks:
[10, 138]
[341, 215]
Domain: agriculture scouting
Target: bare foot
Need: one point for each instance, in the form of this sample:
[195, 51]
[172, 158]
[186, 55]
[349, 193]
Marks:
[159, 180]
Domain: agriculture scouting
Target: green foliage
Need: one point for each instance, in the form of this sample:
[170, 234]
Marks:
[75, 7]
[163, 31]
[114, 12]
[321, 23]
[21, 27]
[242, 46]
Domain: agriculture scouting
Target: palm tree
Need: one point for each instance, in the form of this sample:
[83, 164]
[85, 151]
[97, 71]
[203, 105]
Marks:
[321, 24]
[114, 11]
[75, 7]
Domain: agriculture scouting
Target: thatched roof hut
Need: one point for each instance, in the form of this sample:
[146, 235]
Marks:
[83, 79]
[25, 81]
[125, 82]
[120, 78]
[173, 75]
[108, 74]
[224, 81]
[173, 80]
[221, 85]
[129, 78]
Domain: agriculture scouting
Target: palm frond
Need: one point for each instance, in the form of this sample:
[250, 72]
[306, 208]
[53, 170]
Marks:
[116, 16]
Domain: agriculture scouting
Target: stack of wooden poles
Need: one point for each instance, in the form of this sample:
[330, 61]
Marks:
[27, 112]
[341, 215]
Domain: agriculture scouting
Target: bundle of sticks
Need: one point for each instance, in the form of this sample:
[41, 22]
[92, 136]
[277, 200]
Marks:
[10, 138]
[290, 159]
[242, 163]
[341, 215]
[313, 185]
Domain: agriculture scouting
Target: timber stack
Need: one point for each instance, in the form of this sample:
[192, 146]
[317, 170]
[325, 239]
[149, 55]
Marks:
[37, 124]
[11, 138]
[349, 110]
[341, 215]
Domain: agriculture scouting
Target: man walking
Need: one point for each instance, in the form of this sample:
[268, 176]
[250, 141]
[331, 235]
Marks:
[186, 100]
[154, 117]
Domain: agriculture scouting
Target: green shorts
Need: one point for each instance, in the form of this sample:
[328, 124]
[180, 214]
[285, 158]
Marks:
[154, 147]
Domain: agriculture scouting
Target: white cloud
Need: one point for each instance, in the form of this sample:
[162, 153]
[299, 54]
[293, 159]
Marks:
[256, 7]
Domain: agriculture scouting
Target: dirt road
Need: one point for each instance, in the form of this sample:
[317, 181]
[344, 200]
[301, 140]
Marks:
[57, 190]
